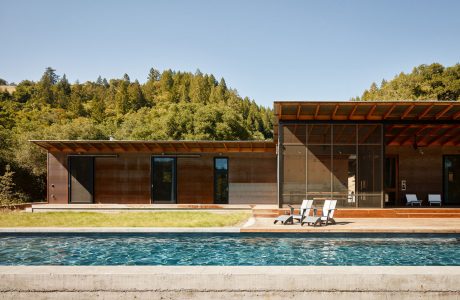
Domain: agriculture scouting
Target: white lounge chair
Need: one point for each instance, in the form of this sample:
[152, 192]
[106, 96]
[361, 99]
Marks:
[326, 216]
[304, 210]
[412, 199]
[434, 199]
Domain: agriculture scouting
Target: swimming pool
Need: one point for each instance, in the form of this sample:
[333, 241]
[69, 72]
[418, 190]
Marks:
[230, 249]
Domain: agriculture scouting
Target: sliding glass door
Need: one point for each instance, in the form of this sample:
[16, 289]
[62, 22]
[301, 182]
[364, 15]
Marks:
[164, 180]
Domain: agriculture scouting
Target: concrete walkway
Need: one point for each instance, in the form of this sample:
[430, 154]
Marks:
[403, 225]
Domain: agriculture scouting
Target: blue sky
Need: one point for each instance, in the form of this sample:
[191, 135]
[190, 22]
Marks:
[267, 50]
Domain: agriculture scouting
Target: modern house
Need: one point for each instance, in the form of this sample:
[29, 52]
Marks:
[364, 154]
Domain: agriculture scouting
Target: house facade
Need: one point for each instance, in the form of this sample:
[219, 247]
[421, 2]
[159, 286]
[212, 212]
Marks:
[364, 154]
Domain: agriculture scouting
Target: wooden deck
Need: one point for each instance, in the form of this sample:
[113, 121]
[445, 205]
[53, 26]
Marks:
[403, 212]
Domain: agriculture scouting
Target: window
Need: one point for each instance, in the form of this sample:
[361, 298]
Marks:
[221, 180]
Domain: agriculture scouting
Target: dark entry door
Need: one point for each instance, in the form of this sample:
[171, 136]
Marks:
[81, 179]
[221, 180]
[451, 179]
[164, 183]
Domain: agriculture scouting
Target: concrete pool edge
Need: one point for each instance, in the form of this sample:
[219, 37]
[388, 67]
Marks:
[328, 229]
[205, 281]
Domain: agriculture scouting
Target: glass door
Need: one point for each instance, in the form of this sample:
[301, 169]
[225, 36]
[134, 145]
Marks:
[221, 180]
[164, 182]
[451, 180]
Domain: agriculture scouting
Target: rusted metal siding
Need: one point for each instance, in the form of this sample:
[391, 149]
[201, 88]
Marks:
[123, 179]
[58, 176]
[126, 179]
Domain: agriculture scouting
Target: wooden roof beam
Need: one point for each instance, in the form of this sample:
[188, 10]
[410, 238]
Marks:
[452, 139]
[371, 111]
[159, 146]
[388, 113]
[425, 112]
[147, 146]
[352, 111]
[427, 136]
[398, 135]
[443, 112]
[119, 145]
[316, 111]
[415, 134]
[299, 108]
[456, 116]
[335, 111]
[407, 111]
[441, 136]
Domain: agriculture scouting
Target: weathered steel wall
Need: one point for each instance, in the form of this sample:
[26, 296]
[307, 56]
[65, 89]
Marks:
[126, 178]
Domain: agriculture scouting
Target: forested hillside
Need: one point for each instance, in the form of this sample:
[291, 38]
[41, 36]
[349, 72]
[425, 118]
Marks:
[169, 105]
[425, 82]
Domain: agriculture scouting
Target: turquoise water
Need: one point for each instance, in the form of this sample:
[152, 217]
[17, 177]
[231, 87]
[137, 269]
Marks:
[230, 249]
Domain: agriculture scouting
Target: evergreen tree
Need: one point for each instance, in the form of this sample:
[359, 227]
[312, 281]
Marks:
[154, 75]
[7, 193]
[63, 92]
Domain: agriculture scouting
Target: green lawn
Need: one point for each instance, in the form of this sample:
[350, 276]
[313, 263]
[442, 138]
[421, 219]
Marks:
[123, 219]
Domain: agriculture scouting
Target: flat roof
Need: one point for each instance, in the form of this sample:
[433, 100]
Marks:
[151, 146]
[392, 112]
[367, 110]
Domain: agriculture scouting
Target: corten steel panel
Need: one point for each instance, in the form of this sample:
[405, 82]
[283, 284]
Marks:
[123, 179]
[195, 179]
[57, 178]
[252, 168]
[252, 178]
[422, 172]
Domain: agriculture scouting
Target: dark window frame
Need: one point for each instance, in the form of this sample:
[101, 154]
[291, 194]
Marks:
[152, 172]
[215, 180]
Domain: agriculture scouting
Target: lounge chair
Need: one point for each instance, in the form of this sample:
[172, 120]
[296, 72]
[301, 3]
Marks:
[304, 210]
[412, 199]
[326, 216]
[289, 219]
[434, 199]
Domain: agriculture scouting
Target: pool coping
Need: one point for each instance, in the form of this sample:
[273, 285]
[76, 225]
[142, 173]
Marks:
[422, 281]
[312, 230]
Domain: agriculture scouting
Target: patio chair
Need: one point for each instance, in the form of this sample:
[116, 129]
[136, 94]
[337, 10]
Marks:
[434, 199]
[286, 219]
[412, 199]
[304, 210]
[326, 216]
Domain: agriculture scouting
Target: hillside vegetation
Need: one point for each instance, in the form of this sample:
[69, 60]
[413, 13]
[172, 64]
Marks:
[168, 106]
[425, 82]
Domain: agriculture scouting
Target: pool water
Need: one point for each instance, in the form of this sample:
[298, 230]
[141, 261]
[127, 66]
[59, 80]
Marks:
[230, 249]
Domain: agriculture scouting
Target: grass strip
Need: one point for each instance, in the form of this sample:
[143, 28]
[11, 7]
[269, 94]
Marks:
[122, 219]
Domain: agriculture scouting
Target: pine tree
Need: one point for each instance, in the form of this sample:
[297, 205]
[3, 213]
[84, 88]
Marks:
[154, 75]
[7, 194]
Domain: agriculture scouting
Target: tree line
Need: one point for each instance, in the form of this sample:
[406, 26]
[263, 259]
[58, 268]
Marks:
[425, 82]
[170, 105]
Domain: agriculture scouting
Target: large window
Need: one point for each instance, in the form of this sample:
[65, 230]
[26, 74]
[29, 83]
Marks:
[332, 161]
[221, 180]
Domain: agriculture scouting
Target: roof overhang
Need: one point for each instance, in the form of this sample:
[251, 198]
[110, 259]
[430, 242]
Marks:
[425, 123]
[159, 147]
[437, 111]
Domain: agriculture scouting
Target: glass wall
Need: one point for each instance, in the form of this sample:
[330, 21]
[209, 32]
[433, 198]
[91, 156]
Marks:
[332, 161]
